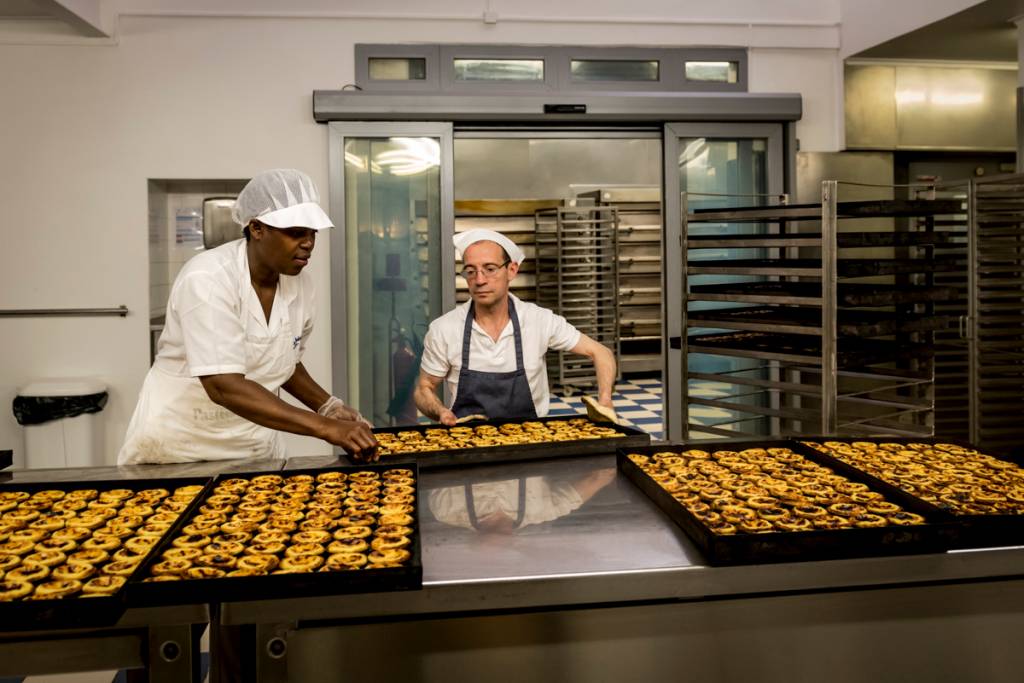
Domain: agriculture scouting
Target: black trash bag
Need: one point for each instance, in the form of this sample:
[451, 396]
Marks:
[34, 410]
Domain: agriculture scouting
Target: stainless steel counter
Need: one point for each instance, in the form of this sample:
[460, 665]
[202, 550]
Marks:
[615, 547]
[162, 642]
[566, 571]
[612, 590]
[157, 643]
[180, 470]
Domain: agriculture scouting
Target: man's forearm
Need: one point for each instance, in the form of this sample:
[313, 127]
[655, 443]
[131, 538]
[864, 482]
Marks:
[604, 364]
[428, 403]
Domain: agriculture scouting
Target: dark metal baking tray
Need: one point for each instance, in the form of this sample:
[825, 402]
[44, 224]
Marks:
[805, 320]
[847, 294]
[534, 451]
[937, 535]
[977, 531]
[78, 612]
[852, 352]
[844, 240]
[860, 209]
[244, 588]
[845, 267]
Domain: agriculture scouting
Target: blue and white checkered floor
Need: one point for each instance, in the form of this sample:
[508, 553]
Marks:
[637, 401]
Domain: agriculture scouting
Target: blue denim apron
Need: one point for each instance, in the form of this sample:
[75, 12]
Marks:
[498, 395]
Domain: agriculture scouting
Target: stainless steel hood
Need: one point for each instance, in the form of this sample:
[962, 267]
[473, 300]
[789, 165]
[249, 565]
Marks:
[915, 106]
[622, 107]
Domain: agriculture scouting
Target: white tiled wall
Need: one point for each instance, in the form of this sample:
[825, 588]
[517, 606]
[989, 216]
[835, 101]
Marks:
[175, 206]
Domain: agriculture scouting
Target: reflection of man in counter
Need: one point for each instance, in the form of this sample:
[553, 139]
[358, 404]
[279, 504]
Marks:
[501, 507]
[490, 351]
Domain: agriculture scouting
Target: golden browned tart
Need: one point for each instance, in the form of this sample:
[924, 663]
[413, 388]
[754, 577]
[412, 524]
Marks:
[274, 524]
[80, 542]
[958, 478]
[482, 436]
[757, 490]
[58, 589]
[345, 561]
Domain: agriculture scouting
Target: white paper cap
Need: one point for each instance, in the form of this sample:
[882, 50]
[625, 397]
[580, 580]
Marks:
[465, 239]
[281, 198]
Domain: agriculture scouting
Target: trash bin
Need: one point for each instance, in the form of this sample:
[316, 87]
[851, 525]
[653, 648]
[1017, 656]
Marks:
[62, 422]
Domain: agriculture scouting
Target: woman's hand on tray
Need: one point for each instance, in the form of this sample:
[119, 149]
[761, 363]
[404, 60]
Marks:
[355, 437]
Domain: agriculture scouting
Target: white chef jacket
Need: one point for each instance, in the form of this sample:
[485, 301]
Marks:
[541, 329]
[216, 325]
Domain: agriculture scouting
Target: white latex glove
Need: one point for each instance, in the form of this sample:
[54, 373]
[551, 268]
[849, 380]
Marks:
[335, 409]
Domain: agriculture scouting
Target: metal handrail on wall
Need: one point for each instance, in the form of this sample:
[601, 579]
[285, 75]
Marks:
[120, 311]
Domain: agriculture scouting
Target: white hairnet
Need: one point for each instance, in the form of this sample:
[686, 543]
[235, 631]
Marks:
[281, 198]
[465, 239]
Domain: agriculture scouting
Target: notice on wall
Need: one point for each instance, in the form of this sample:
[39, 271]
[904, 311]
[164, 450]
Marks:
[188, 226]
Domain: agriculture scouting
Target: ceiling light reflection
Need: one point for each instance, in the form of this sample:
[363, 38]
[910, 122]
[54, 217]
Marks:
[413, 156]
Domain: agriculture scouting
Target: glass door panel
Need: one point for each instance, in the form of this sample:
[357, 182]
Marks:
[718, 174]
[389, 268]
[712, 166]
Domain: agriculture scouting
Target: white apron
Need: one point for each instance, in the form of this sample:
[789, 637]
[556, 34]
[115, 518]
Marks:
[175, 420]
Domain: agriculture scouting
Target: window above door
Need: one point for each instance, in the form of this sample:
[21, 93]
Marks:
[481, 69]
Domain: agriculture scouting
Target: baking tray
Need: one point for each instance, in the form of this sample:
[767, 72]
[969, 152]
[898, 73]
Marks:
[33, 615]
[847, 293]
[844, 240]
[534, 451]
[937, 535]
[845, 267]
[977, 531]
[850, 323]
[852, 352]
[856, 209]
[247, 588]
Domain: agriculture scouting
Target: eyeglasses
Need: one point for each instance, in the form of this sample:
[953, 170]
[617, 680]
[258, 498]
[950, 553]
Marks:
[489, 270]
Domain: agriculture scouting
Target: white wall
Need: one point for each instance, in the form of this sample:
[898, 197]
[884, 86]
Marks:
[85, 124]
[818, 76]
[866, 23]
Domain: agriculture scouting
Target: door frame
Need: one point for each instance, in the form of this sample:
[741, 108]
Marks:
[343, 363]
[674, 281]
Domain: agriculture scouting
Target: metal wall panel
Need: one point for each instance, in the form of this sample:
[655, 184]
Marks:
[957, 109]
[870, 107]
[917, 107]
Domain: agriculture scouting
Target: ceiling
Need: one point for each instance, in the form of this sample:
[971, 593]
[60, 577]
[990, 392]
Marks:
[23, 9]
[85, 18]
[983, 32]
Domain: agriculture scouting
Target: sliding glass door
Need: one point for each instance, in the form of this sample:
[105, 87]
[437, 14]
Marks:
[709, 166]
[392, 260]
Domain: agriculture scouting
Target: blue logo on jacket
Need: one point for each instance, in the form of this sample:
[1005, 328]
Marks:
[295, 342]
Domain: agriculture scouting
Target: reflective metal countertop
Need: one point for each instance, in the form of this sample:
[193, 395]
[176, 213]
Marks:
[587, 536]
[175, 471]
[538, 518]
[558, 533]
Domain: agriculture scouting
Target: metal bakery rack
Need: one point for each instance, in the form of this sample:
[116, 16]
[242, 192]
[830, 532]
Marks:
[979, 362]
[640, 269]
[952, 353]
[814, 327]
[577, 275]
[995, 324]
